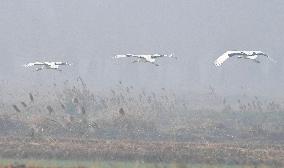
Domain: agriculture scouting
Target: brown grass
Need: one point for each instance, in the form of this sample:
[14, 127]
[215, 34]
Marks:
[126, 150]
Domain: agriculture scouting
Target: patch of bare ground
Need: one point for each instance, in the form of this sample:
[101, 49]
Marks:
[155, 151]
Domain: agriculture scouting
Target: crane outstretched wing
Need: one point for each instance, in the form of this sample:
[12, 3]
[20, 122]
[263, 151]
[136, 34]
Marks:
[158, 55]
[131, 55]
[162, 55]
[255, 54]
[123, 55]
[34, 63]
[62, 63]
[220, 60]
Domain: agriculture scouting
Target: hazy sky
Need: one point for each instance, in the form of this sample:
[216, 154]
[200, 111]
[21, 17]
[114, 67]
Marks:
[88, 33]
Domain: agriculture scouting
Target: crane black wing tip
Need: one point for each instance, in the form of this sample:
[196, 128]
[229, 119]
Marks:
[217, 64]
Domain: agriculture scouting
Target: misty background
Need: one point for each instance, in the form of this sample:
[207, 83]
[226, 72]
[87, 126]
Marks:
[88, 33]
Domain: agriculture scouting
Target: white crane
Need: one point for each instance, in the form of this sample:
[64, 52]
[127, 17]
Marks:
[251, 55]
[150, 58]
[47, 65]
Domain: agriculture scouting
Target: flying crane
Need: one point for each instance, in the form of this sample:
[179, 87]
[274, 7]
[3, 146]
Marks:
[250, 55]
[146, 58]
[47, 65]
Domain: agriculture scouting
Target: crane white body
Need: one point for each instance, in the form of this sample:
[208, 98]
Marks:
[47, 65]
[251, 55]
[150, 58]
